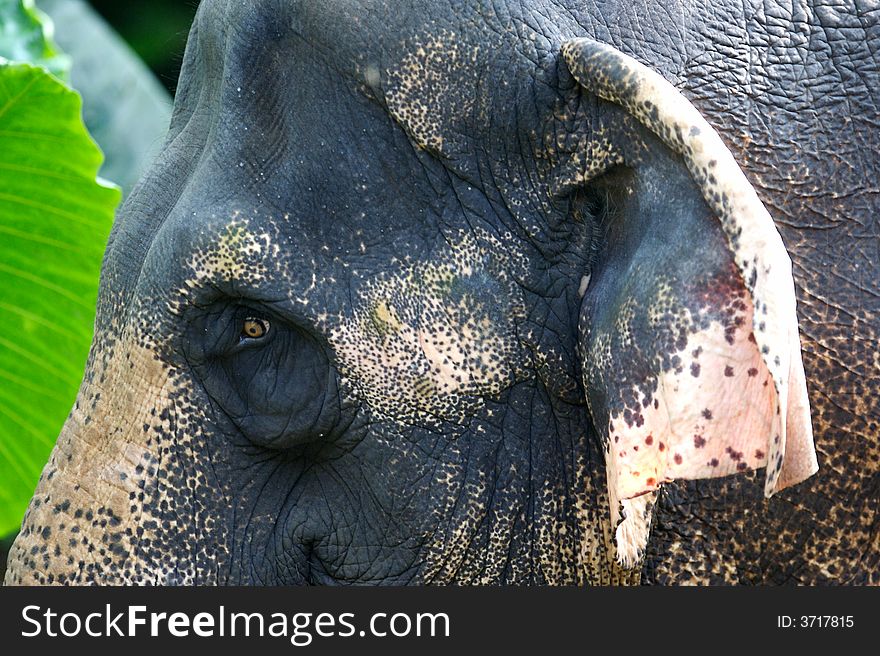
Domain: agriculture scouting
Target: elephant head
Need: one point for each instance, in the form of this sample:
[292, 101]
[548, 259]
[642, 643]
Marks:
[420, 293]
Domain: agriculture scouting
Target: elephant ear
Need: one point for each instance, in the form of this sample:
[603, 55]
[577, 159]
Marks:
[689, 334]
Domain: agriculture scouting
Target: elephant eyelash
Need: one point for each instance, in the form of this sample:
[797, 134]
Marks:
[593, 209]
[595, 243]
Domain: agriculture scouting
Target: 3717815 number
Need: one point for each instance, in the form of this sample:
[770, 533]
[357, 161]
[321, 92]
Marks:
[826, 621]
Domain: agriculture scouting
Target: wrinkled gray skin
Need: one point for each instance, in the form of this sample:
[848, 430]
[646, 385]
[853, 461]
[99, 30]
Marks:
[376, 186]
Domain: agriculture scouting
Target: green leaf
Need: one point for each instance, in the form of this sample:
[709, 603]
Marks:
[54, 221]
[124, 107]
[26, 36]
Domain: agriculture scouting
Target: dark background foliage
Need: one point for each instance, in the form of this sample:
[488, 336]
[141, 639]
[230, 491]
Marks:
[155, 29]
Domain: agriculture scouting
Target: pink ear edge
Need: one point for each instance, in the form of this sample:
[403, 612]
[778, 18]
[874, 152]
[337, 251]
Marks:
[717, 414]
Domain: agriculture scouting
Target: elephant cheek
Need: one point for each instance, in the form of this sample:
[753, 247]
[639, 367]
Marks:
[109, 507]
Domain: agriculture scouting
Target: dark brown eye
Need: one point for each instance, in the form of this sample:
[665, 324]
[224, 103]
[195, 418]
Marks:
[254, 328]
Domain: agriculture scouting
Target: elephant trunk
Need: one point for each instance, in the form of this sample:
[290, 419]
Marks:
[110, 493]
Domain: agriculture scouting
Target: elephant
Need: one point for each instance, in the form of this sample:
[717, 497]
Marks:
[536, 292]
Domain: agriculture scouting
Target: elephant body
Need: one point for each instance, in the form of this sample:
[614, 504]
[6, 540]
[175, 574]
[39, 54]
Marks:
[405, 273]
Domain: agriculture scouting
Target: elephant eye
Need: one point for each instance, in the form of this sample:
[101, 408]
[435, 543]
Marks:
[254, 328]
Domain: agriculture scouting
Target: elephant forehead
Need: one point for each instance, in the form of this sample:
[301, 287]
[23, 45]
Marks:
[429, 340]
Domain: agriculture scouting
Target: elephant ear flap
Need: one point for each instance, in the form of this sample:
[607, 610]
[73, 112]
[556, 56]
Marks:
[689, 336]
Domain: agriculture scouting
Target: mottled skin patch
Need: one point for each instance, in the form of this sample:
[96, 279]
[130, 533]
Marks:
[429, 343]
[305, 129]
[666, 436]
[420, 92]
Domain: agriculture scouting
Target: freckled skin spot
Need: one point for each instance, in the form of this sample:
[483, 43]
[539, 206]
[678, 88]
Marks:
[427, 345]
